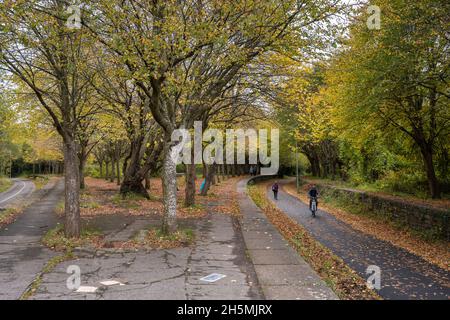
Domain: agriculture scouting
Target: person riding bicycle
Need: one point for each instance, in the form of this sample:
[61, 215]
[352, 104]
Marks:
[313, 193]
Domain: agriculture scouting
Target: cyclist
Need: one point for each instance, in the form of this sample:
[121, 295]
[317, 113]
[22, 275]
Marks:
[313, 193]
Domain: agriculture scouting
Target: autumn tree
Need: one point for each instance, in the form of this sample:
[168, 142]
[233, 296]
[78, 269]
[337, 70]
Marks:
[42, 52]
[396, 79]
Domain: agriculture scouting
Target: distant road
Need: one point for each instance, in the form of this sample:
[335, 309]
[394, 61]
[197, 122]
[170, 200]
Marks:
[21, 189]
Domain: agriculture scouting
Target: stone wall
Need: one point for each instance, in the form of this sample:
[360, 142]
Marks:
[434, 222]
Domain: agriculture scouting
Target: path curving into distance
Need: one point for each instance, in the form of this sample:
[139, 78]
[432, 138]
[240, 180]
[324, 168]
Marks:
[21, 188]
[403, 274]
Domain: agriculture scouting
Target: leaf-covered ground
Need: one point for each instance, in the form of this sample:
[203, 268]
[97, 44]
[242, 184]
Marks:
[102, 197]
[150, 239]
[8, 216]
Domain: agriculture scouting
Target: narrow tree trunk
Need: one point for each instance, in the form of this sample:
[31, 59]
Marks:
[190, 185]
[213, 175]
[147, 181]
[82, 165]
[101, 169]
[210, 171]
[72, 190]
[223, 171]
[113, 169]
[169, 177]
[118, 170]
[106, 170]
[218, 169]
[433, 183]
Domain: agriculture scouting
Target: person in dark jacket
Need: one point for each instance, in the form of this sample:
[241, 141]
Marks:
[275, 190]
[313, 193]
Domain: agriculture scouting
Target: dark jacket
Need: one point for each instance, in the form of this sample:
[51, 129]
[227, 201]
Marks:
[313, 193]
[275, 187]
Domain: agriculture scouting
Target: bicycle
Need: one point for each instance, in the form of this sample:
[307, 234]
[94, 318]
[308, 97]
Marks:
[313, 206]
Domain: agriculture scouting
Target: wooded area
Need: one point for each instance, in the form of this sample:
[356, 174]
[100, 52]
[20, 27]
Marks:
[103, 97]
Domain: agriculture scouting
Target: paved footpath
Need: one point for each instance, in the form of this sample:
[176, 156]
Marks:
[164, 274]
[282, 273]
[403, 274]
[22, 256]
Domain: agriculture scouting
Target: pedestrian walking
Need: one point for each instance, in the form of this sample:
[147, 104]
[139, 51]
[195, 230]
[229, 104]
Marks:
[275, 190]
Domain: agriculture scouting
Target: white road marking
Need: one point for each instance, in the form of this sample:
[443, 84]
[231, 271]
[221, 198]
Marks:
[86, 289]
[15, 194]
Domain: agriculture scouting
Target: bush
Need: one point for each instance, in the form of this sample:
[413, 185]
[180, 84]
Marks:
[92, 170]
[404, 182]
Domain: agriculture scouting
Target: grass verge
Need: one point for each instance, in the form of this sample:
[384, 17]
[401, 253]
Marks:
[340, 277]
[55, 239]
[40, 181]
[8, 215]
[155, 238]
[5, 184]
[49, 266]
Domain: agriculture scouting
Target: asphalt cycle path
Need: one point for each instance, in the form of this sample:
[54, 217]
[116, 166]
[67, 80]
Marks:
[403, 274]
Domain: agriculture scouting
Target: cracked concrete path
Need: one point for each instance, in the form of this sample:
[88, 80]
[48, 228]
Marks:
[22, 256]
[165, 274]
[403, 274]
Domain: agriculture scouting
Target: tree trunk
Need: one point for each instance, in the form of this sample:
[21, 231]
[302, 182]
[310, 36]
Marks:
[147, 181]
[113, 169]
[118, 170]
[72, 190]
[433, 183]
[210, 171]
[106, 170]
[82, 165]
[218, 170]
[132, 178]
[101, 169]
[169, 177]
[213, 175]
[190, 186]
[133, 185]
